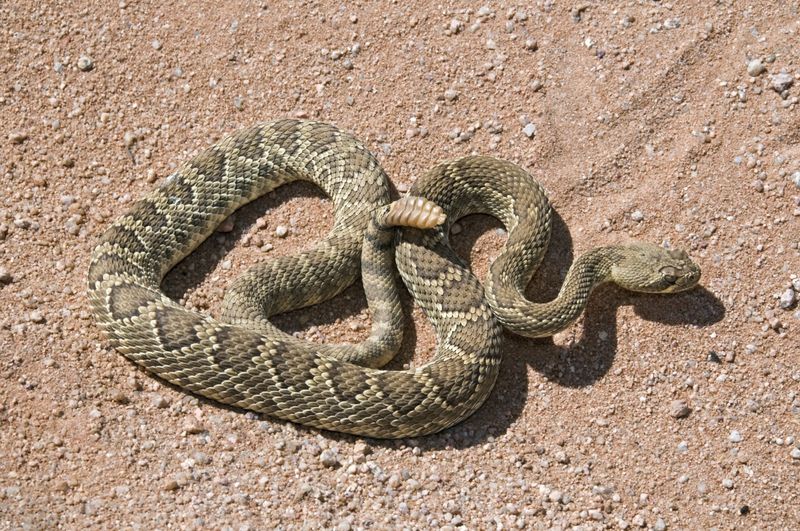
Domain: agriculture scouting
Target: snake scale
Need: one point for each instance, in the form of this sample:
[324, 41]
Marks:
[243, 360]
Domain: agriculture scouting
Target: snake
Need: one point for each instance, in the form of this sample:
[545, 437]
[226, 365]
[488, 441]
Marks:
[242, 360]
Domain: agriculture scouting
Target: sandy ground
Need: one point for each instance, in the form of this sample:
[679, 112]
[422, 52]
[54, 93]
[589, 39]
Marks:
[667, 123]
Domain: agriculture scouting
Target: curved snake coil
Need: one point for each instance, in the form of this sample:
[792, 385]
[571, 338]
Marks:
[244, 361]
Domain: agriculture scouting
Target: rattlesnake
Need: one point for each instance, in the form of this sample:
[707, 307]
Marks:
[244, 361]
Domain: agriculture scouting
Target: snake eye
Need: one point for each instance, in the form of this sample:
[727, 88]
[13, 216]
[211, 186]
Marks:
[670, 274]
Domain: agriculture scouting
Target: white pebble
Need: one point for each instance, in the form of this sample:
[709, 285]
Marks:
[735, 437]
[85, 63]
[529, 130]
[755, 67]
[281, 231]
[788, 299]
[637, 215]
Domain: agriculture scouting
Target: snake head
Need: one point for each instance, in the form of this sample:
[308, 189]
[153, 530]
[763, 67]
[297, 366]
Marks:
[649, 268]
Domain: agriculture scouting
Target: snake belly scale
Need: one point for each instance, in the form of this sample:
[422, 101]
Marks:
[244, 361]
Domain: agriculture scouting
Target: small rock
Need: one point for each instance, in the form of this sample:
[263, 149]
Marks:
[660, 525]
[788, 299]
[450, 94]
[679, 409]
[361, 448]
[755, 67]
[796, 178]
[795, 453]
[781, 81]
[156, 44]
[637, 215]
[171, 485]
[120, 398]
[281, 231]
[160, 402]
[17, 137]
[5, 276]
[735, 437]
[85, 63]
[227, 225]
[531, 44]
[456, 26]
[555, 496]
[329, 459]
[529, 130]
[193, 427]
[727, 483]
[36, 317]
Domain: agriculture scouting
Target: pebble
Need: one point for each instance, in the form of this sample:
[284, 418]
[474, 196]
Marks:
[450, 94]
[555, 496]
[456, 26]
[329, 459]
[120, 398]
[735, 437]
[171, 485]
[36, 316]
[361, 448]
[160, 402]
[227, 225]
[156, 44]
[755, 67]
[17, 137]
[788, 299]
[531, 45]
[795, 453]
[660, 525]
[5, 276]
[529, 130]
[85, 63]
[679, 409]
[782, 81]
[796, 178]
[281, 231]
[727, 483]
[637, 215]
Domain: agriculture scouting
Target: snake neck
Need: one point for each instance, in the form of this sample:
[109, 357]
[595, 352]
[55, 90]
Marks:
[532, 319]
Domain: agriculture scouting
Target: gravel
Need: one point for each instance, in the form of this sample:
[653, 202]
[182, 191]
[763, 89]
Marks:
[85, 63]
[17, 137]
[755, 67]
[679, 409]
[781, 82]
[529, 130]
[91, 442]
[788, 299]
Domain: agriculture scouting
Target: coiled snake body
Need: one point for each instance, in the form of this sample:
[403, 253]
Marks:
[244, 361]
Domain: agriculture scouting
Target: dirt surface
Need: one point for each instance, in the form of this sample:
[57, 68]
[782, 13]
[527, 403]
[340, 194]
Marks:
[667, 123]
